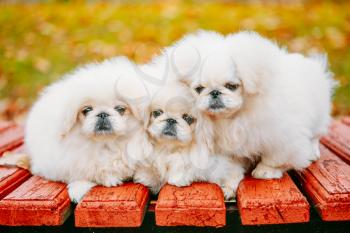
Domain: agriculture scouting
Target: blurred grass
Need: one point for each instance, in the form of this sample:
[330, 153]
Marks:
[40, 42]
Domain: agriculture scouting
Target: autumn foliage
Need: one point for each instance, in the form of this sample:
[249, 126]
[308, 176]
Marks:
[40, 42]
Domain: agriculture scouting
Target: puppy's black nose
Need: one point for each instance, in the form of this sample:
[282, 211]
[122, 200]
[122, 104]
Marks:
[215, 93]
[171, 121]
[103, 115]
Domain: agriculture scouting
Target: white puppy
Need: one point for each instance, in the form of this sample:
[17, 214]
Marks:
[78, 129]
[180, 148]
[265, 103]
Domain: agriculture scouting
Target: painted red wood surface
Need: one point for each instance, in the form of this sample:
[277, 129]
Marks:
[201, 204]
[4, 125]
[121, 206]
[11, 177]
[26, 200]
[338, 139]
[274, 201]
[346, 120]
[36, 202]
[11, 136]
[327, 182]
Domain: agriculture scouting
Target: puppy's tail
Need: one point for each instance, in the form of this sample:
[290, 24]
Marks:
[21, 160]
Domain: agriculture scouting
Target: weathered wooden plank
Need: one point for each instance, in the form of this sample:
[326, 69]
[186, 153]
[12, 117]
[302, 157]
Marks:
[346, 120]
[200, 204]
[327, 183]
[36, 202]
[338, 140]
[12, 177]
[121, 206]
[276, 201]
[10, 138]
[5, 125]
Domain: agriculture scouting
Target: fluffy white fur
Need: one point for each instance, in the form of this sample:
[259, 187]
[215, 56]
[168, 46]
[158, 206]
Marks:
[64, 144]
[180, 153]
[272, 105]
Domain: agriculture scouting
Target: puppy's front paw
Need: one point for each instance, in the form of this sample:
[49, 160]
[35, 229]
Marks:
[178, 182]
[263, 171]
[229, 193]
[316, 151]
[148, 179]
[230, 185]
[77, 190]
[111, 180]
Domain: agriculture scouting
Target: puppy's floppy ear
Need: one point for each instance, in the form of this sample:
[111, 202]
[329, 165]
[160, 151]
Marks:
[61, 102]
[204, 146]
[147, 116]
[205, 131]
[250, 86]
[134, 91]
[70, 117]
[185, 62]
[249, 79]
[139, 109]
[138, 149]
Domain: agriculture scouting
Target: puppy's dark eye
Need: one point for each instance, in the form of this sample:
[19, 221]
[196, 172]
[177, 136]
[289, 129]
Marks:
[189, 119]
[120, 109]
[232, 86]
[199, 89]
[157, 113]
[86, 110]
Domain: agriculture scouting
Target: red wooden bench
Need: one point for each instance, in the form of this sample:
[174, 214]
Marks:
[28, 200]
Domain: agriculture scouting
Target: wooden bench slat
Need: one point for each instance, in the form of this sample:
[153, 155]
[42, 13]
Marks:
[5, 125]
[121, 206]
[338, 139]
[12, 177]
[201, 204]
[327, 183]
[275, 201]
[10, 138]
[36, 202]
[346, 120]
[33, 201]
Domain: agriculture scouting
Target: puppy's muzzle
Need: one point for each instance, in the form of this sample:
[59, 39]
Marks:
[215, 102]
[170, 127]
[103, 124]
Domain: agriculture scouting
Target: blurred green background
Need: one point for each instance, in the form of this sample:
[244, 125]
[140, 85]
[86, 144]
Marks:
[40, 42]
